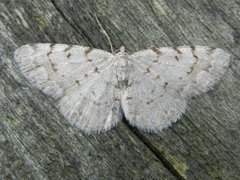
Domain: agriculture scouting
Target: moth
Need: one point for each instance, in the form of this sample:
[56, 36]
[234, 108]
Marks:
[93, 88]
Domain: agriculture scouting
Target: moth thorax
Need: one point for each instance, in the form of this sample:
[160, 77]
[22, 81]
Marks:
[123, 70]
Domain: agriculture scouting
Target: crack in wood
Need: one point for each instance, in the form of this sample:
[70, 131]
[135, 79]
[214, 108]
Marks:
[154, 150]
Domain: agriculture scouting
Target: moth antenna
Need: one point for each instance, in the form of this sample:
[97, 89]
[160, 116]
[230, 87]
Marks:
[105, 33]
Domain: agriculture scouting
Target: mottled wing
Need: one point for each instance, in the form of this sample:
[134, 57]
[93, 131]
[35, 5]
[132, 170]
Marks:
[164, 78]
[79, 77]
[186, 70]
[147, 105]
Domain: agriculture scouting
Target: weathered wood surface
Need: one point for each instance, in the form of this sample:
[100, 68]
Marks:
[37, 143]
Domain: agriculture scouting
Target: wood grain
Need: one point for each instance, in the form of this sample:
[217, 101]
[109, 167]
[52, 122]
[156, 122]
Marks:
[36, 142]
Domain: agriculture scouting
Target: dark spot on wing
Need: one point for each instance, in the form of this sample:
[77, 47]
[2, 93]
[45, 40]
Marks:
[50, 52]
[149, 102]
[157, 77]
[114, 109]
[147, 71]
[90, 60]
[96, 103]
[196, 58]
[177, 50]
[156, 50]
[51, 45]
[85, 75]
[191, 70]
[69, 54]
[68, 48]
[116, 99]
[96, 70]
[77, 82]
[117, 86]
[51, 49]
[176, 57]
[88, 50]
[37, 66]
[165, 85]
[54, 67]
[194, 52]
[193, 48]
[129, 98]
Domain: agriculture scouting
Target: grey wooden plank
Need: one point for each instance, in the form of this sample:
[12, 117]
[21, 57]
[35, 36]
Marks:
[203, 145]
